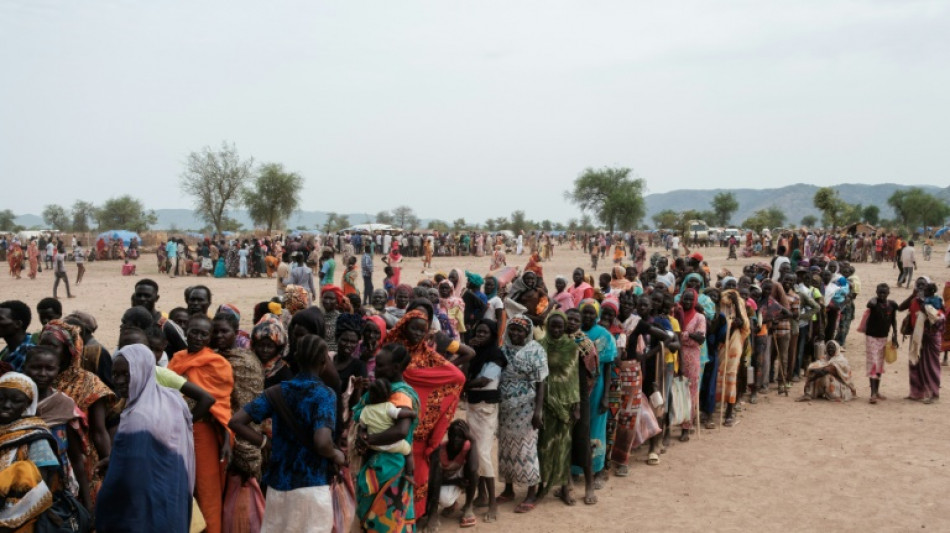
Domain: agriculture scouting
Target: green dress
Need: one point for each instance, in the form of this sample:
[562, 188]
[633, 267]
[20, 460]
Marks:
[561, 394]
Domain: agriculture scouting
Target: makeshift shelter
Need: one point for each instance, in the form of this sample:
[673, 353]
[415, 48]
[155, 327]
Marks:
[858, 228]
[119, 234]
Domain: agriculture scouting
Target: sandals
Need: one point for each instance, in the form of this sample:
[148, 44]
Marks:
[653, 459]
[503, 499]
[622, 471]
[468, 521]
[525, 507]
[730, 422]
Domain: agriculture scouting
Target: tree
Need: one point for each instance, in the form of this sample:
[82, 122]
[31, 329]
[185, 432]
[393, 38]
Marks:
[216, 180]
[611, 195]
[871, 214]
[458, 224]
[773, 217]
[83, 212]
[490, 225]
[665, 219]
[55, 217]
[7, 220]
[274, 196]
[519, 222]
[831, 206]
[126, 213]
[438, 225]
[384, 217]
[915, 207]
[572, 224]
[335, 222]
[404, 217]
[724, 204]
[546, 225]
[809, 221]
[586, 223]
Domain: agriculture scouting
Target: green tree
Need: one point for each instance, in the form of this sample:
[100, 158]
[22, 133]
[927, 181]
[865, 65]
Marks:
[490, 225]
[809, 221]
[82, 213]
[586, 223]
[666, 218]
[519, 222]
[871, 214]
[216, 181]
[384, 217]
[724, 204]
[572, 224]
[772, 217]
[458, 224]
[611, 195]
[7, 220]
[404, 217]
[335, 222]
[56, 217]
[274, 196]
[438, 225]
[915, 207]
[126, 213]
[831, 206]
[546, 225]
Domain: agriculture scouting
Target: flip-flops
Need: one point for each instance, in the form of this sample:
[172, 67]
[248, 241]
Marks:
[525, 507]
[653, 459]
[468, 521]
[503, 499]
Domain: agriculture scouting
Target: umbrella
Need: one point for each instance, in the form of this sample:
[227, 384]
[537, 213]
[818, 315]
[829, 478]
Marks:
[119, 234]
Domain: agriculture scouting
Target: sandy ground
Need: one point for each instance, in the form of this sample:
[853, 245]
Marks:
[786, 467]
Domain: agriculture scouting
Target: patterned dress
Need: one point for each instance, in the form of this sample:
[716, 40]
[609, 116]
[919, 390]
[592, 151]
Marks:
[517, 439]
[561, 395]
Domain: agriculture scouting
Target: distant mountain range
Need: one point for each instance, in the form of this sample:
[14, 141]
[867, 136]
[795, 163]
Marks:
[795, 200]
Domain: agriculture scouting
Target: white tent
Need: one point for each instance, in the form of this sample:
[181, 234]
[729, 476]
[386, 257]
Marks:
[372, 228]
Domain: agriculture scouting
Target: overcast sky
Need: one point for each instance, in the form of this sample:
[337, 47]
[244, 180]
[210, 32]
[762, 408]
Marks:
[470, 109]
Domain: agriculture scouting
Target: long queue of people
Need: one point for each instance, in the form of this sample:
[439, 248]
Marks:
[384, 411]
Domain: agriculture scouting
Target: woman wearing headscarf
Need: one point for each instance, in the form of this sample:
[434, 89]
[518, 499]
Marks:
[534, 265]
[296, 298]
[347, 363]
[521, 412]
[927, 323]
[607, 353]
[394, 260]
[334, 303]
[561, 406]
[619, 282]
[151, 471]
[371, 340]
[199, 364]
[693, 338]
[453, 306]
[33, 255]
[829, 377]
[242, 339]
[15, 259]
[438, 384]
[95, 358]
[268, 339]
[738, 328]
[91, 395]
[28, 464]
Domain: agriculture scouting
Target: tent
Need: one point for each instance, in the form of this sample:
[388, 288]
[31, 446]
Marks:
[124, 235]
[372, 228]
[941, 231]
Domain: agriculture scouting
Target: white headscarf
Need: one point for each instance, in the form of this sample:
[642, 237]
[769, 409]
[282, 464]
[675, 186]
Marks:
[22, 383]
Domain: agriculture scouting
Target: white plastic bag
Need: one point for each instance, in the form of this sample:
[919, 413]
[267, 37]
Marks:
[681, 405]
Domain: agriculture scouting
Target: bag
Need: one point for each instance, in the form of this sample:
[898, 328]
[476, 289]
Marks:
[646, 426]
[906, 328]
[681, 405]
[863, 326]
[243, 505]
[66, 515]
[206, 264]
[890, 353]
[198, 523]
[344, 503]
[656, 399]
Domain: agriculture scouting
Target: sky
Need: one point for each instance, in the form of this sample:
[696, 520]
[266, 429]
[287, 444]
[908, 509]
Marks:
[469, 109]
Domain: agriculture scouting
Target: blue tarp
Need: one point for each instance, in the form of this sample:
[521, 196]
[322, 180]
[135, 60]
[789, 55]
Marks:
[114, 234]
[941, 231]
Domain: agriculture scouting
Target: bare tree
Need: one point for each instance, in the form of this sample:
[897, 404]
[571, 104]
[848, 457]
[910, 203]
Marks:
[216, 180]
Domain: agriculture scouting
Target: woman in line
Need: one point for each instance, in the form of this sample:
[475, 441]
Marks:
[521, 412]
[561, 408]
[438, 384]
[151, 471]
[199, 364]
[453, 306]
[484, 373]
[737, 332]
[63, 418]
[830, 377]
[384, 487]
[588, 369]
[15, 259]
[33, 255]
[607, 353]
[334, 303]
[28, 464]
[268, 340]
[693, 336]
[91, 395]
[371, 337]
[350, 277]
[302, 453]
[924, 345]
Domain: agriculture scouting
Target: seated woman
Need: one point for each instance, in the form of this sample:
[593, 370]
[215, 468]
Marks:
[454, 470]
[829, 377]
[28, 465]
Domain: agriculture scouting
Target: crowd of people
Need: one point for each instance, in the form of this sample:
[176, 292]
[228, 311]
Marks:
[396, 407]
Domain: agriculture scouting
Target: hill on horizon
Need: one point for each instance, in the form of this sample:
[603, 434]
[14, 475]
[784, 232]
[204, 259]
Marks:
[795, 200]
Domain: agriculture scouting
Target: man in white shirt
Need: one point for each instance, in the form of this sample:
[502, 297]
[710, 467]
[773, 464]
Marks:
[908, 264]
[675, 245]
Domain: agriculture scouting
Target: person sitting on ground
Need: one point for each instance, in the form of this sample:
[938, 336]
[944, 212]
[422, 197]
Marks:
[453, 469]
[829, 377]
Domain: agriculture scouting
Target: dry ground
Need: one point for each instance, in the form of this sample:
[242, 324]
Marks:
[786, 467]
